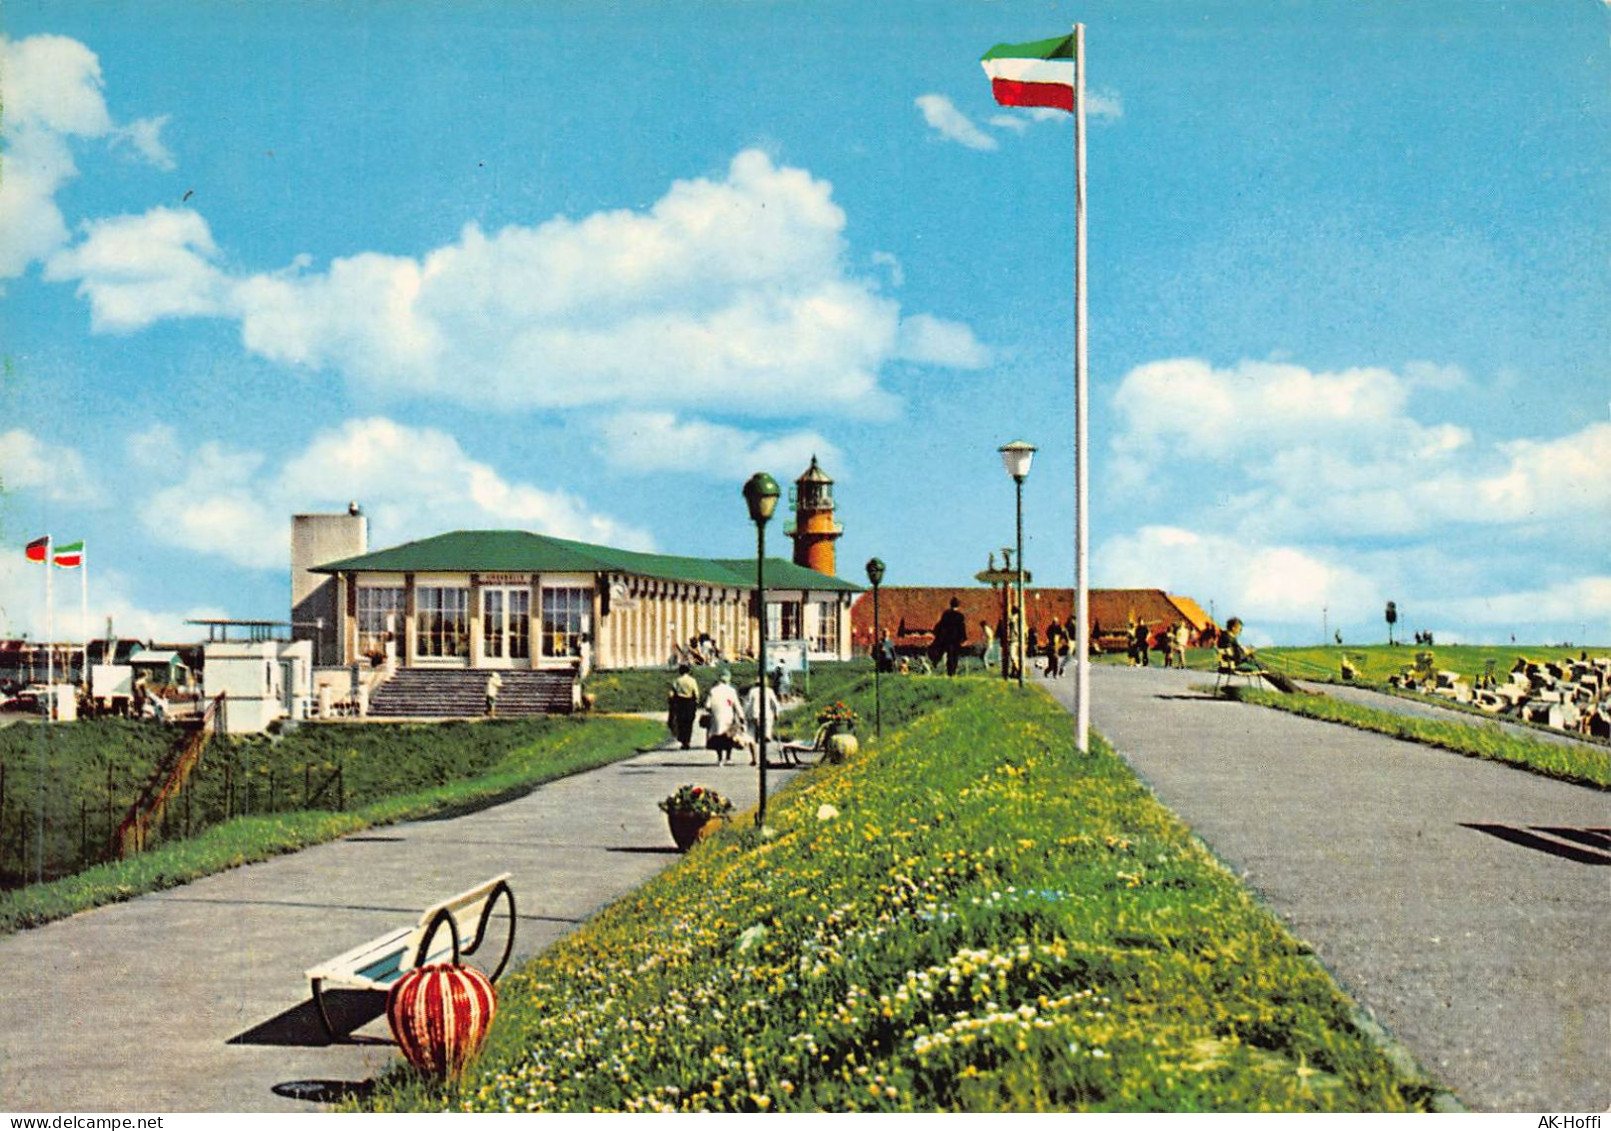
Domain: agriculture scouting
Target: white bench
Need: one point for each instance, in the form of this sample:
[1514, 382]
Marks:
[381, 961]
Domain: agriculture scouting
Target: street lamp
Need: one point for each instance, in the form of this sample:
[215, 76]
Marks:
[761, 494]
[875, 574]
[1016, 457]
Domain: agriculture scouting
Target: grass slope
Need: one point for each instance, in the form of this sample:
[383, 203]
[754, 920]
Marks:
[1581, 764]
[527, 756]
[970, 916]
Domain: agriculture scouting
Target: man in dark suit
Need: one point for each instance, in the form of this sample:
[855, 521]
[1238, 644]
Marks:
[950, 634]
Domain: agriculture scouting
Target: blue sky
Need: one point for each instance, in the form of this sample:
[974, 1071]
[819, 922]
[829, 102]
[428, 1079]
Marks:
[581, 268]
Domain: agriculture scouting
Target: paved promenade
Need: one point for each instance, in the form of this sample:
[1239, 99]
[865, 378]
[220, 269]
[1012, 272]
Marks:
[135, 1007]
[1464, 903]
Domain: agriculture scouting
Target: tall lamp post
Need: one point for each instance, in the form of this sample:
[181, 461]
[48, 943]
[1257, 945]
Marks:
[875, 574]
[1017, 456]
[761, 494]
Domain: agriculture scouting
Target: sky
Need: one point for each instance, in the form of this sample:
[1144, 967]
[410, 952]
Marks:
[581, 268]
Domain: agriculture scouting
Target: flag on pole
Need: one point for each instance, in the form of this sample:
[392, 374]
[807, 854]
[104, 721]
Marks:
[38, 550]
[70, 556]
[1039, 74]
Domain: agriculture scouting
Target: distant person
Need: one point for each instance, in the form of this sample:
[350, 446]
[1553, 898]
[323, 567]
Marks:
[992, 646]
[950, 634]
[1179, 638]
[1140, 652]
[1054, 650]
[884, 654]
[682, 706]
[752, 712]
[1230, 643]
[494, 685]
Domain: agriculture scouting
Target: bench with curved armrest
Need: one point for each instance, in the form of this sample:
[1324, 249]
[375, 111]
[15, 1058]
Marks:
[448, 931]
[792, 753]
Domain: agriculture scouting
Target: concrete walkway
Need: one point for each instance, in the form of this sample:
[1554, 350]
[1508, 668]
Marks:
[193, 999]
[1464, 903]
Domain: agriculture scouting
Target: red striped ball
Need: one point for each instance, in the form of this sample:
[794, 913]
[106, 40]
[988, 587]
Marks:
[440, 1016]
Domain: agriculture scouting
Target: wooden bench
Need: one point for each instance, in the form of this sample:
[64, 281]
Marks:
[377, 964]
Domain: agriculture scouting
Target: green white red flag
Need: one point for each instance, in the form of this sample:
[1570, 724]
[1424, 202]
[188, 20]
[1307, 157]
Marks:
[38, 550]
[1039, 74]
[70, 556]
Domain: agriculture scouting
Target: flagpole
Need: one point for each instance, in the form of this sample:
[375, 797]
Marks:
[50, 637]
[83, 615]
[1082, 593]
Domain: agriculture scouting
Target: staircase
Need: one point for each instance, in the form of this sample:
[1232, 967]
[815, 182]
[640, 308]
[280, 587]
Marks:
[461, 694]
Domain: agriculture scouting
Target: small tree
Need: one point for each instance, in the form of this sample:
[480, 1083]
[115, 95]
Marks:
[1392, 619]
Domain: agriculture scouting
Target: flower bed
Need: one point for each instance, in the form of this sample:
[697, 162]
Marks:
[971, 917]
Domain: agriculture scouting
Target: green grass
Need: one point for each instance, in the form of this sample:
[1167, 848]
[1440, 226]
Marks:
[1375, 662]
[504, 761]
[1581, 764]
[969, 916]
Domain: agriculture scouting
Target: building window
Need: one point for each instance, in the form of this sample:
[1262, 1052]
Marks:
[520, 624]
[826, 636]
[442, 620]
[565, 617]
[492, 623]
[380, 612]
[783, 620]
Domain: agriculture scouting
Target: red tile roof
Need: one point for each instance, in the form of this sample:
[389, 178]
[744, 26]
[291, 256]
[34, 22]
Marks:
[910, 612]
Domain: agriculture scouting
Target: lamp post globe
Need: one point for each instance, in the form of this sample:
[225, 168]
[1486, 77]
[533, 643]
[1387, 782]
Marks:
[875, 575]
[761, 496]
[1017, 457]
[761, 493]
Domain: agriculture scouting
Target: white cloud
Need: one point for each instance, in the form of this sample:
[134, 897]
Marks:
[412, 481]
[952, 124]
[136, 270]
[28, 463]
[145, 136]
[937, 341]
[730, 293]
[1104, 105]
[1579, 601]
[1281, 584]
[50, 87]
[659, 441]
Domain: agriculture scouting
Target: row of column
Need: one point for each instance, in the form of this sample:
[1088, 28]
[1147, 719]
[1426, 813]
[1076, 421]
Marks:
[647, 616]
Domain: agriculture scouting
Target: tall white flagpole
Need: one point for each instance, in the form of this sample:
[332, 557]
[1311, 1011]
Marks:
[1082, 592]
[83, 614]
[50, 634]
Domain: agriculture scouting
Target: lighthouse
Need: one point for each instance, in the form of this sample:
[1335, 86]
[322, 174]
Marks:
[814, 530]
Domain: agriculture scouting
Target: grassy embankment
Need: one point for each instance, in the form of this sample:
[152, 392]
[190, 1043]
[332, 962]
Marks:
[968, 916]
[1375, 662]
[1578, 763]
[248, 795]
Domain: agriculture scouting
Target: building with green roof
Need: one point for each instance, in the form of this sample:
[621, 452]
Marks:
[515, 600]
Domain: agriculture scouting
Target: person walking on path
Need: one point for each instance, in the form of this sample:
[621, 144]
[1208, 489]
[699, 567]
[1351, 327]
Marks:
[494, 685]
[950, 634]
[724, 728]
[682, 705]
[1054, 650]
[752, 713]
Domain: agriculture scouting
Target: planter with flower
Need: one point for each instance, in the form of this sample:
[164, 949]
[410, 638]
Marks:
[694, 812]
[837, 725]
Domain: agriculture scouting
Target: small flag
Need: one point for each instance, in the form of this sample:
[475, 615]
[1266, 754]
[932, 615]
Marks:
[1032, 74]
[70, 556]
[38, 550]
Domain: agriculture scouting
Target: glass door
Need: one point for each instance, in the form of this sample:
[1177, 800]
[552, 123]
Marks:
[506, 627]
